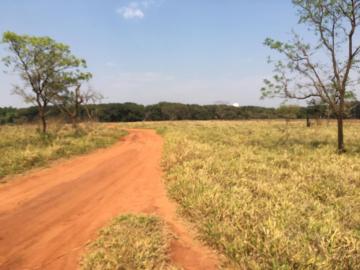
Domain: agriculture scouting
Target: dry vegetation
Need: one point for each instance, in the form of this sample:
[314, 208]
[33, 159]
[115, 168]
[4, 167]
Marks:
[266, 194]
[130, 242]
[24, 147]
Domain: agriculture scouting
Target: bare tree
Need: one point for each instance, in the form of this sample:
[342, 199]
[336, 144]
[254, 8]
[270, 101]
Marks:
[70, 99]
[326, 69]
[91, 97]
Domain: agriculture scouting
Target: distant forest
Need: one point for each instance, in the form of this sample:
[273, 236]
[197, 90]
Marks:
[132, 112]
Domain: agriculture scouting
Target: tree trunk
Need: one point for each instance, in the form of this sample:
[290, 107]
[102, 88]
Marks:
[341, 146]
[308, 123]
[41, 110]
[340, 122]
[43, 121]
[88, 113]
[74, 121]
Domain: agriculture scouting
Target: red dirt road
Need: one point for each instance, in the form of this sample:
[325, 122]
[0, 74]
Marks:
[48, 215]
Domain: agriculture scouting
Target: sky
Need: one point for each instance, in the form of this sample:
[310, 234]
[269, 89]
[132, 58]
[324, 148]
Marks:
[147, 51]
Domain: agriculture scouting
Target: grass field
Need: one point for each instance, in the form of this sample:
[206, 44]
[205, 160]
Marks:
[130, 242]
[266, 194]
[23, 147]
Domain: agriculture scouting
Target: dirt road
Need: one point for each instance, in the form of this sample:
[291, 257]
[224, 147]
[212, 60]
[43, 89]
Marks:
[48, 215]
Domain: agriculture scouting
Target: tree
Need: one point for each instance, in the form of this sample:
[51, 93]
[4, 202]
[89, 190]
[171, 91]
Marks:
[355, 110]
[288, 111]
[91, 98]
[7, 115]
[42, 64]
[325, 69]
[69, 97]
[69, 102]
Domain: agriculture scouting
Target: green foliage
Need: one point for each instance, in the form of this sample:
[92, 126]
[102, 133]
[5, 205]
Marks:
[130, 242]
[39, 50]
[47, 68]
[42, 62]
[126, 112]
[23, 147]
[303, 72]
[266, 195]
[132, 112]
[7, 115]
[164, 111]
[289, 111]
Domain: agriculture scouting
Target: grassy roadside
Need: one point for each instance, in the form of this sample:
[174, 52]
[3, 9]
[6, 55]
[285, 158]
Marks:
[268, 195]
[23, 148]
[130, 242]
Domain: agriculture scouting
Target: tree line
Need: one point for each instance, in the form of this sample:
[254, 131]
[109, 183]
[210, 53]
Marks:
[166, 111]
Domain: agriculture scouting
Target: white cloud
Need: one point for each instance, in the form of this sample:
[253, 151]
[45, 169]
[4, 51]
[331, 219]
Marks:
[135, 10]
[130, 12]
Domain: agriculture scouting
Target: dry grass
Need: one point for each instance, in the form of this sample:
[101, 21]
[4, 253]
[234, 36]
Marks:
[130, 242]
[23, 147]
[266, 194]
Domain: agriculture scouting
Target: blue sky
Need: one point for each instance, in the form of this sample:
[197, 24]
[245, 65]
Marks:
[146, 51]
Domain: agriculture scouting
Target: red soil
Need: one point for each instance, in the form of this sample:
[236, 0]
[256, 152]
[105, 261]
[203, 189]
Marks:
[48, 216]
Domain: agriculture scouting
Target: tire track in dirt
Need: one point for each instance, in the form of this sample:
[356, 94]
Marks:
[47, 216]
